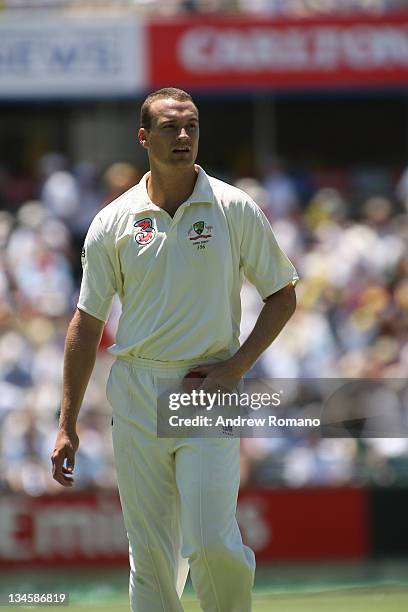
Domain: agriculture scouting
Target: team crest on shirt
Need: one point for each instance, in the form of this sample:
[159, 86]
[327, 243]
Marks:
[200, 230]
[145, 231]
[199, 234]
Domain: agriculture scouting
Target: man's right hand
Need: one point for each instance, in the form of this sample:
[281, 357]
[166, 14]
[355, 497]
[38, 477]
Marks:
[66, 445]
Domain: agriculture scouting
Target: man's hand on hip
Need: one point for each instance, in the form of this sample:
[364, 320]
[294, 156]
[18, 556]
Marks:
[223, 375]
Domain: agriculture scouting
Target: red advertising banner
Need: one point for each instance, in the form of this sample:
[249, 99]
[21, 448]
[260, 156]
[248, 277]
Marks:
[67, 529]
[306, 524]
[87, 529]
[246, 52]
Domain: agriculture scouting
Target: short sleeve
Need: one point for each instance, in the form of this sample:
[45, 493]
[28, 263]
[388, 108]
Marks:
[265, 265]
[98, 285]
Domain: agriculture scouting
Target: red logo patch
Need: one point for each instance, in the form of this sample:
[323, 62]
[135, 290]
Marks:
[145, 231]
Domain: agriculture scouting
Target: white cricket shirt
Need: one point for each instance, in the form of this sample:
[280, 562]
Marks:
[179, 279]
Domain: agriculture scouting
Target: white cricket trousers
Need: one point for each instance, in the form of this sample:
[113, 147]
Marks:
[178, 500]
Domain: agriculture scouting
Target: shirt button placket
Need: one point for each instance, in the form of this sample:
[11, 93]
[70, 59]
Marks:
[175, 220]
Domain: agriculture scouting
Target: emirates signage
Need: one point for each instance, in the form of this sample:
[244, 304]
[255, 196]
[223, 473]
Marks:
[78, 528]
[87, 528]
[244, 53]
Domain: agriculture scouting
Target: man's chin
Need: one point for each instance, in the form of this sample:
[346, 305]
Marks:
[184, 161]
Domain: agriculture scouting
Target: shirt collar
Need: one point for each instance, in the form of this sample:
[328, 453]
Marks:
[202, 193]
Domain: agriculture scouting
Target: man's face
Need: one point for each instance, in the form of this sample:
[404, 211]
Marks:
[172, 139]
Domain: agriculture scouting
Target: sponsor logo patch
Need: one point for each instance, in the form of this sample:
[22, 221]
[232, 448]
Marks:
[145, 232]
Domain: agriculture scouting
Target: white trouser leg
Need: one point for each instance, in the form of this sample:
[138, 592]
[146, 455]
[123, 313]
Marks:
[222, 568]
[150, 501]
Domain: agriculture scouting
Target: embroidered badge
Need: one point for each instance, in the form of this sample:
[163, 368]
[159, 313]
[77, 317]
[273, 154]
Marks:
[145, 231]
[200, 230]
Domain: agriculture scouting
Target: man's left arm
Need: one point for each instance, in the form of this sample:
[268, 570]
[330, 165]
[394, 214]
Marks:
[278, 309]
[267, 267]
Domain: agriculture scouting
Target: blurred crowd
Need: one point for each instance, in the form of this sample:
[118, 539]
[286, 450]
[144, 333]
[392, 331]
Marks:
[286, 8]
[346, 232]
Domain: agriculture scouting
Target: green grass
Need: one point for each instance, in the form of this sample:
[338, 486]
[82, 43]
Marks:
[331, 587]
[349, 600]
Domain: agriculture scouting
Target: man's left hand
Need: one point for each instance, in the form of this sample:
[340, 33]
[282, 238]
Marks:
[223, 375]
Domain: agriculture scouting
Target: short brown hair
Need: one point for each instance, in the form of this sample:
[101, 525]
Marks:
[166, 92]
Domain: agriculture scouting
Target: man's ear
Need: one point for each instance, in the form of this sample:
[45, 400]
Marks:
[142, 134]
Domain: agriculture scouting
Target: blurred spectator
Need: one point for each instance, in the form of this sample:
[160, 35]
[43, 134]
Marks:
[118, 178]
[281, 196]
[60, 195]
[401, 190]
[37, 257]
[255, 190]
[90, 196]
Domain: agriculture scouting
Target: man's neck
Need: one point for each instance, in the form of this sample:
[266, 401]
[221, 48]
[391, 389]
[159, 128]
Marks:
[169, 191]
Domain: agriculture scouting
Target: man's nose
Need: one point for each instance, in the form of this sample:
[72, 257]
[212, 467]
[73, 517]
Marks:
[183, 133]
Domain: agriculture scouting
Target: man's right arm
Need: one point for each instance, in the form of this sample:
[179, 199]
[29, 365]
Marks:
[81, 345]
